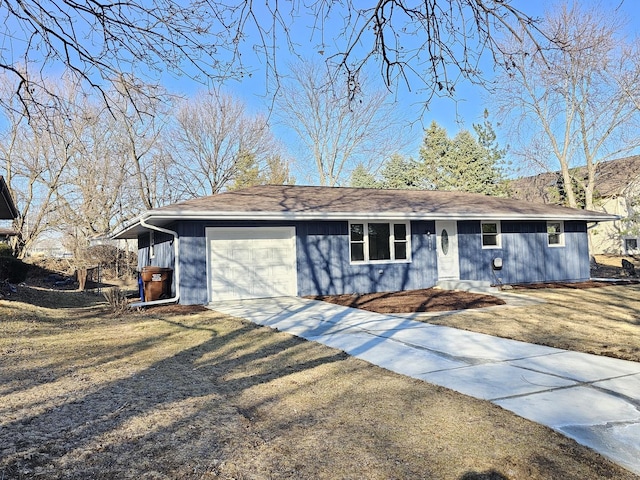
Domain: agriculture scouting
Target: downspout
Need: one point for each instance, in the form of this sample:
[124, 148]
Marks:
[176, 269]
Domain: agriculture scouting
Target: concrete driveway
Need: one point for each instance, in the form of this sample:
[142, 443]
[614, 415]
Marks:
[592, 399]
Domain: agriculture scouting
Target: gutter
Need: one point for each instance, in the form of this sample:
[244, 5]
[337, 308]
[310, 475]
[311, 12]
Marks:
[341, 216]
[595, 224]
[176, 269]
[293, 216]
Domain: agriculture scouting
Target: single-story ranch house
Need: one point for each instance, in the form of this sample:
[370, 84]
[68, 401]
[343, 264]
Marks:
[270, 241]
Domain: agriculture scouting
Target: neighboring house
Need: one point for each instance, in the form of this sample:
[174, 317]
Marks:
[8, 210]
[295, 240]
[617, 191]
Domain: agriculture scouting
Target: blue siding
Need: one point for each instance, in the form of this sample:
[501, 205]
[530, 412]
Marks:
[526, 256]
[323, 265]
[193, 263]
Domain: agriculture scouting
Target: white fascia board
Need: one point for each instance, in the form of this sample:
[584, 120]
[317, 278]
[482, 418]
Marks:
[343, 216]
[292, 216]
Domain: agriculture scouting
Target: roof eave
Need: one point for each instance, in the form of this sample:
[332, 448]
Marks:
[292, 216]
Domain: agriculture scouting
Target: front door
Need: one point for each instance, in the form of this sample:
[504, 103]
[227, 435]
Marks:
[447, 240]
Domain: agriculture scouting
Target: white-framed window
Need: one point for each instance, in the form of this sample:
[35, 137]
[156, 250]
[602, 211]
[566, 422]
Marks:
[555, 234]
[631, 245]
[491, 237]
[374, 242]
[152, 244]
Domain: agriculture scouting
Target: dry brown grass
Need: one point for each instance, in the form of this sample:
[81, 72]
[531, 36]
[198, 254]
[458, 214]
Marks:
[174, 394]
[603, 321]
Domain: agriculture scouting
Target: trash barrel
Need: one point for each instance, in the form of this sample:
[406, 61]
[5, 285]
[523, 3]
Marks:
[156, 282]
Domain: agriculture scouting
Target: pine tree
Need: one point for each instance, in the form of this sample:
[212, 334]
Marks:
[399, 172]
[463, 163]
[362, 178]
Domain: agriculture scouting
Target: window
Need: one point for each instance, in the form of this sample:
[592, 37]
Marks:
[379, 242]
[555, 234]
[630, 245]
[491, 235]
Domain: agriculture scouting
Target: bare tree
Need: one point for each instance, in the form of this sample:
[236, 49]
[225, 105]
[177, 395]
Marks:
[430, 45]
[79, 172]
[88, 204]
[338, 133]
[36, 154]
[211, 141]
[141, 114]
[570, 107]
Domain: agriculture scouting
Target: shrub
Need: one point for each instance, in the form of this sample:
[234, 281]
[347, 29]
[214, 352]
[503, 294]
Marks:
[5, 250]
[13, 269]
[117, 299]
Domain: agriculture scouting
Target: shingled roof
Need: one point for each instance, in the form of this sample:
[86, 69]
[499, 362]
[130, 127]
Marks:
[287, 202]
[612, 178]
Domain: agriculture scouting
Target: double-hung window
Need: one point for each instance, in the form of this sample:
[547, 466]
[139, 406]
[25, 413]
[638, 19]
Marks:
[491, 235]
[555, 234]
[379, 242]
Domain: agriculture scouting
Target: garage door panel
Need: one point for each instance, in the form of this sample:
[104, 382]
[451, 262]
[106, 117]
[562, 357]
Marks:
[251, 262]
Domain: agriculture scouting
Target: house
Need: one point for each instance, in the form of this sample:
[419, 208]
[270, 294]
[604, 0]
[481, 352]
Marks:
[299, 240]
[617, 191]
[8, 210]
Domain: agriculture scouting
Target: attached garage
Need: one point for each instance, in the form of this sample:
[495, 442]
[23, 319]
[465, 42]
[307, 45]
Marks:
[248, 262]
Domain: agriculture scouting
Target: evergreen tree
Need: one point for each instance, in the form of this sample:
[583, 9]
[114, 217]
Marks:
[362, 178]
[399, 172]
[463, 163]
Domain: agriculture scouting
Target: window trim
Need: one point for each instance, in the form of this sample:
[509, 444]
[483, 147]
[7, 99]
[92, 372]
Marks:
[630, 250]
[498, 234]
[392, 242]
[560, 234]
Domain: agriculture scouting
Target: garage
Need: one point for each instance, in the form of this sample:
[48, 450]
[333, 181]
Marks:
[247, 262]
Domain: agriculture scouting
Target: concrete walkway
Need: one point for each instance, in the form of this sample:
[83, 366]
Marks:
[592, 399]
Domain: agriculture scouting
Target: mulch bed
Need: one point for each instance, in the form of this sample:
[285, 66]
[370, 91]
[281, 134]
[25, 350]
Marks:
[424, 300]
[436, 300]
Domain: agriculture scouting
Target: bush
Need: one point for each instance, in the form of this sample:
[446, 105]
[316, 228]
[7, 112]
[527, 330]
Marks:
[117, 299]
[13, 269]
[5, 250]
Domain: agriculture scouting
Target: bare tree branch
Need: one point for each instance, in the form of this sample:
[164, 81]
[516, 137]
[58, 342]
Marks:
[428, 46]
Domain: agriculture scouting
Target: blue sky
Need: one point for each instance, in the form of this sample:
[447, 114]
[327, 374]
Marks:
[454, 114]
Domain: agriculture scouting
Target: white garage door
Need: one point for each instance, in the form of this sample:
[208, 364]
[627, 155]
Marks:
[251, 262]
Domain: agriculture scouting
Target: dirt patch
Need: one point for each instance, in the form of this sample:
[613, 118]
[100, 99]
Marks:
[425, 300]
[163, 395]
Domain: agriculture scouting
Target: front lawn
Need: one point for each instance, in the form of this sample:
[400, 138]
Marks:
[175, 394]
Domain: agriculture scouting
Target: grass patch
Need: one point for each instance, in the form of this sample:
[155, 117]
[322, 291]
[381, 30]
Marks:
[184, 393]
[603, 321]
